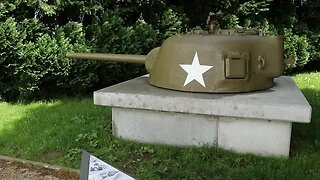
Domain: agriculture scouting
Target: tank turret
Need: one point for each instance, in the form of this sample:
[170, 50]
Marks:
[227, 61]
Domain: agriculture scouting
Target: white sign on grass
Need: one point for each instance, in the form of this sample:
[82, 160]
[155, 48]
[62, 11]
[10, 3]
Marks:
[93, 168]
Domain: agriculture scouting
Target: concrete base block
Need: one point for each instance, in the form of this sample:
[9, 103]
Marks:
[164, 127]
[256, 122]
[263, 137]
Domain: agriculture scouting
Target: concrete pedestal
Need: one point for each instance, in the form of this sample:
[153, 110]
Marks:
[257, 122]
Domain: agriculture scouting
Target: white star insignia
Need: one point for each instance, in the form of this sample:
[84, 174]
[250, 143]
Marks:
[195, 71]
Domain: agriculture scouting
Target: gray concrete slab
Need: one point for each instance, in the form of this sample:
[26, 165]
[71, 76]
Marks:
[257, 136]
[164, 127]
[283, 102]
[256, 122]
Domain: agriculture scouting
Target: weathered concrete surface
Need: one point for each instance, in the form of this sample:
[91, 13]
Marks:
[164, 127]
[262, 137]
[282, 102]
[257, 122]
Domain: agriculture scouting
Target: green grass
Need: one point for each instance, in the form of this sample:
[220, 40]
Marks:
[46, 130]
[56, 131]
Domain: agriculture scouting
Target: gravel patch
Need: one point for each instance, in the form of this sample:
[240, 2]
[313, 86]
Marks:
[13, 170]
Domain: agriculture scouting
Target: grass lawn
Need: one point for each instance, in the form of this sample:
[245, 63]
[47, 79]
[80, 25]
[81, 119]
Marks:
[56, 131]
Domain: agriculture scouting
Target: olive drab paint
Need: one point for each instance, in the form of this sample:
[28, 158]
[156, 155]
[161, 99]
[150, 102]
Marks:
[228, 61]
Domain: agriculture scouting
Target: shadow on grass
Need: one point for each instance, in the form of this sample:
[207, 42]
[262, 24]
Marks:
[306, 137]
[45, 131]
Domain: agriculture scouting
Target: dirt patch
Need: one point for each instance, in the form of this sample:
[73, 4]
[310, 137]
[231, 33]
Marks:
[12, 170]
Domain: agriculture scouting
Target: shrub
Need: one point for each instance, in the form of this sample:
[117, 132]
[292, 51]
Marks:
[82, 75]
[111, 35]
[35, 36]
[314, 46]
[33, 61]
[44, 66]
[230, 21]
[172, 23]
[34, 64]
[10, 41]
[297, 48]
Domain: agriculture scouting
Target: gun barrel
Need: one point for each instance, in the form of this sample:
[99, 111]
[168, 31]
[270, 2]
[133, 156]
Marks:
[140, 59]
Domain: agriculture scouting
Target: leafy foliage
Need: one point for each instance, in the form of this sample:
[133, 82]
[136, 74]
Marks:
[253, 7]
[113, 36]
[36, 34]
[34, 60]
[296, 47]
[10, 42]
[172, 23]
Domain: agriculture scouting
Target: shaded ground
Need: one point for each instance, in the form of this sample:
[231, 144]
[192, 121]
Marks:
[22, 171]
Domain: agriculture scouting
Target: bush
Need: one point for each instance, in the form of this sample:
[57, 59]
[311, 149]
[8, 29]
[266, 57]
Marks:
[81, 76]
[297, 49]
[35, 65]
[111, 35]
[34, 61]
[230, 21]
[172, 23]
[35, 36]
[11, 41]
[314, 46]
[44, 66]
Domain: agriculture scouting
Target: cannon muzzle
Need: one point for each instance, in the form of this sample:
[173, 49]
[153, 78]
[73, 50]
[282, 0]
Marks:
[140, 59]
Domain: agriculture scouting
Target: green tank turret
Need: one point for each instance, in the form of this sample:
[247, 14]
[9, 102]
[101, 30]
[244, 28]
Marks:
[227, 61]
